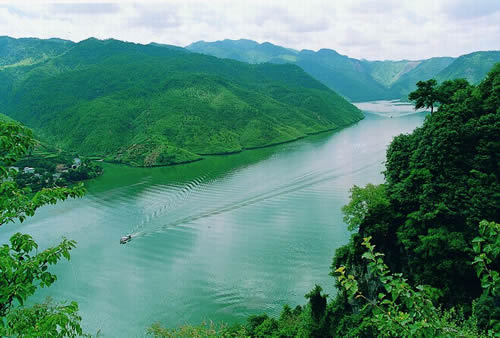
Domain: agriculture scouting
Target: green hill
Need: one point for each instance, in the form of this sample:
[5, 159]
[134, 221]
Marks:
[150, 105]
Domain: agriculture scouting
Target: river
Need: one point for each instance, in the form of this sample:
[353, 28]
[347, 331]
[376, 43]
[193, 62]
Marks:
[217, 239]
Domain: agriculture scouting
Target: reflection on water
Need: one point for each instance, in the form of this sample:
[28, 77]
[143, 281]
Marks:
[216, 239]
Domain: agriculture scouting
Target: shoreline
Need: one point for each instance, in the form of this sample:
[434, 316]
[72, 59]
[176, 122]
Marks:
[243, 149]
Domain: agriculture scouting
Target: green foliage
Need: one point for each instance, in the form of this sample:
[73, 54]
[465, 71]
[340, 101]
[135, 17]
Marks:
[151, 105]
[400, 309]
[487, 250]
[203, 330]
[362, 201]
[426, 94]
[22, 267]
[23, 272]
[441, 181]
[44, 320]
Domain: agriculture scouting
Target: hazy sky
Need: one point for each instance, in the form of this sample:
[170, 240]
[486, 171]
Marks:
[370, 29]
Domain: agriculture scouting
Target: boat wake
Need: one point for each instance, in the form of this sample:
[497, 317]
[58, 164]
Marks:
[198, 190]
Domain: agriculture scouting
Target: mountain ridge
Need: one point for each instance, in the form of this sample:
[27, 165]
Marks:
[148, 105]
[355, 79]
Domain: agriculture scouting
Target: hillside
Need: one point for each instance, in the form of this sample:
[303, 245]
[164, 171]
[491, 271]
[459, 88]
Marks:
[425, 69]
[149, 105]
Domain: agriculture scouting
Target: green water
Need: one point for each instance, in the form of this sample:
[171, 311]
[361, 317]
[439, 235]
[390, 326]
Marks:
[217, 239]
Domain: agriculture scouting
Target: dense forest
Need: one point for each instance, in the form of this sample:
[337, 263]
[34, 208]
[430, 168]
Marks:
[149, 105]
[423, 259]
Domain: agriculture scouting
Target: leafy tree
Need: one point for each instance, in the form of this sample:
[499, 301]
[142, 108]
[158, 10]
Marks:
[426, 94]
[362, 201]
[447, 90]
[205, 329]
[401, 310]
[487, 249]
[22, 267]
[440, 182]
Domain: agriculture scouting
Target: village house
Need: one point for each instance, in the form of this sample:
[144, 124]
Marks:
[76, 163]
[29, 170]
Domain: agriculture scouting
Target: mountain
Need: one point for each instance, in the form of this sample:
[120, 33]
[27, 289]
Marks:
[27, 51]
[154, 104]
[472, 67]
[356, 80]
[405, 82]
[245, 50]
[349, 77]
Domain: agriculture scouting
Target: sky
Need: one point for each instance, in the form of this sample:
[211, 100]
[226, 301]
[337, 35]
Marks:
[369, 29]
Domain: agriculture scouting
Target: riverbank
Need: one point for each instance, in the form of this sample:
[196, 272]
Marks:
[232, 152]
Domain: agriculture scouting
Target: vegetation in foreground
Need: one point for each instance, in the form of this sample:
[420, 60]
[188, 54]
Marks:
[23, 267]
[434, 221]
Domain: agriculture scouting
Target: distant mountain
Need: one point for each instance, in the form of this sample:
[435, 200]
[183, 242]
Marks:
[405, 82]
[155, 104]
[357, 80]
[245, 50]
[472, 67]
[349, 77]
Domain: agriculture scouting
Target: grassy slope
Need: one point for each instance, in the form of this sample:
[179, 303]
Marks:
[150, 105]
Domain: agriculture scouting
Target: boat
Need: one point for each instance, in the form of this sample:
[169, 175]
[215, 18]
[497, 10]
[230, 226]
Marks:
[125, 239]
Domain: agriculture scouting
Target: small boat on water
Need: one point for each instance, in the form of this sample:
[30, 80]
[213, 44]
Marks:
[125, 239]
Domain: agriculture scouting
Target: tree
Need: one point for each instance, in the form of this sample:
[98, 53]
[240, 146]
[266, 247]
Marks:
[426, 94]
[22, 267]
[363, 200]
[401, 310]
[447, 90]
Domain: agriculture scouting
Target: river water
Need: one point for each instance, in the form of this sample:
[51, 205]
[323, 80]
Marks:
[217, 239]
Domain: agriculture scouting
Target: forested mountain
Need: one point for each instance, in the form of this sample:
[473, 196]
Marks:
[473, 67]
[405, 81]
[150, 105]
[349, 77]
[357, 80]
[27, 51]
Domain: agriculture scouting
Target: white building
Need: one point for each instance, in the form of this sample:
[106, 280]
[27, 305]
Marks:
[29, 170]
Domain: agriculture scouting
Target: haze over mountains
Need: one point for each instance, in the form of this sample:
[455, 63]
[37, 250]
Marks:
[357, 80]
[154, 104]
